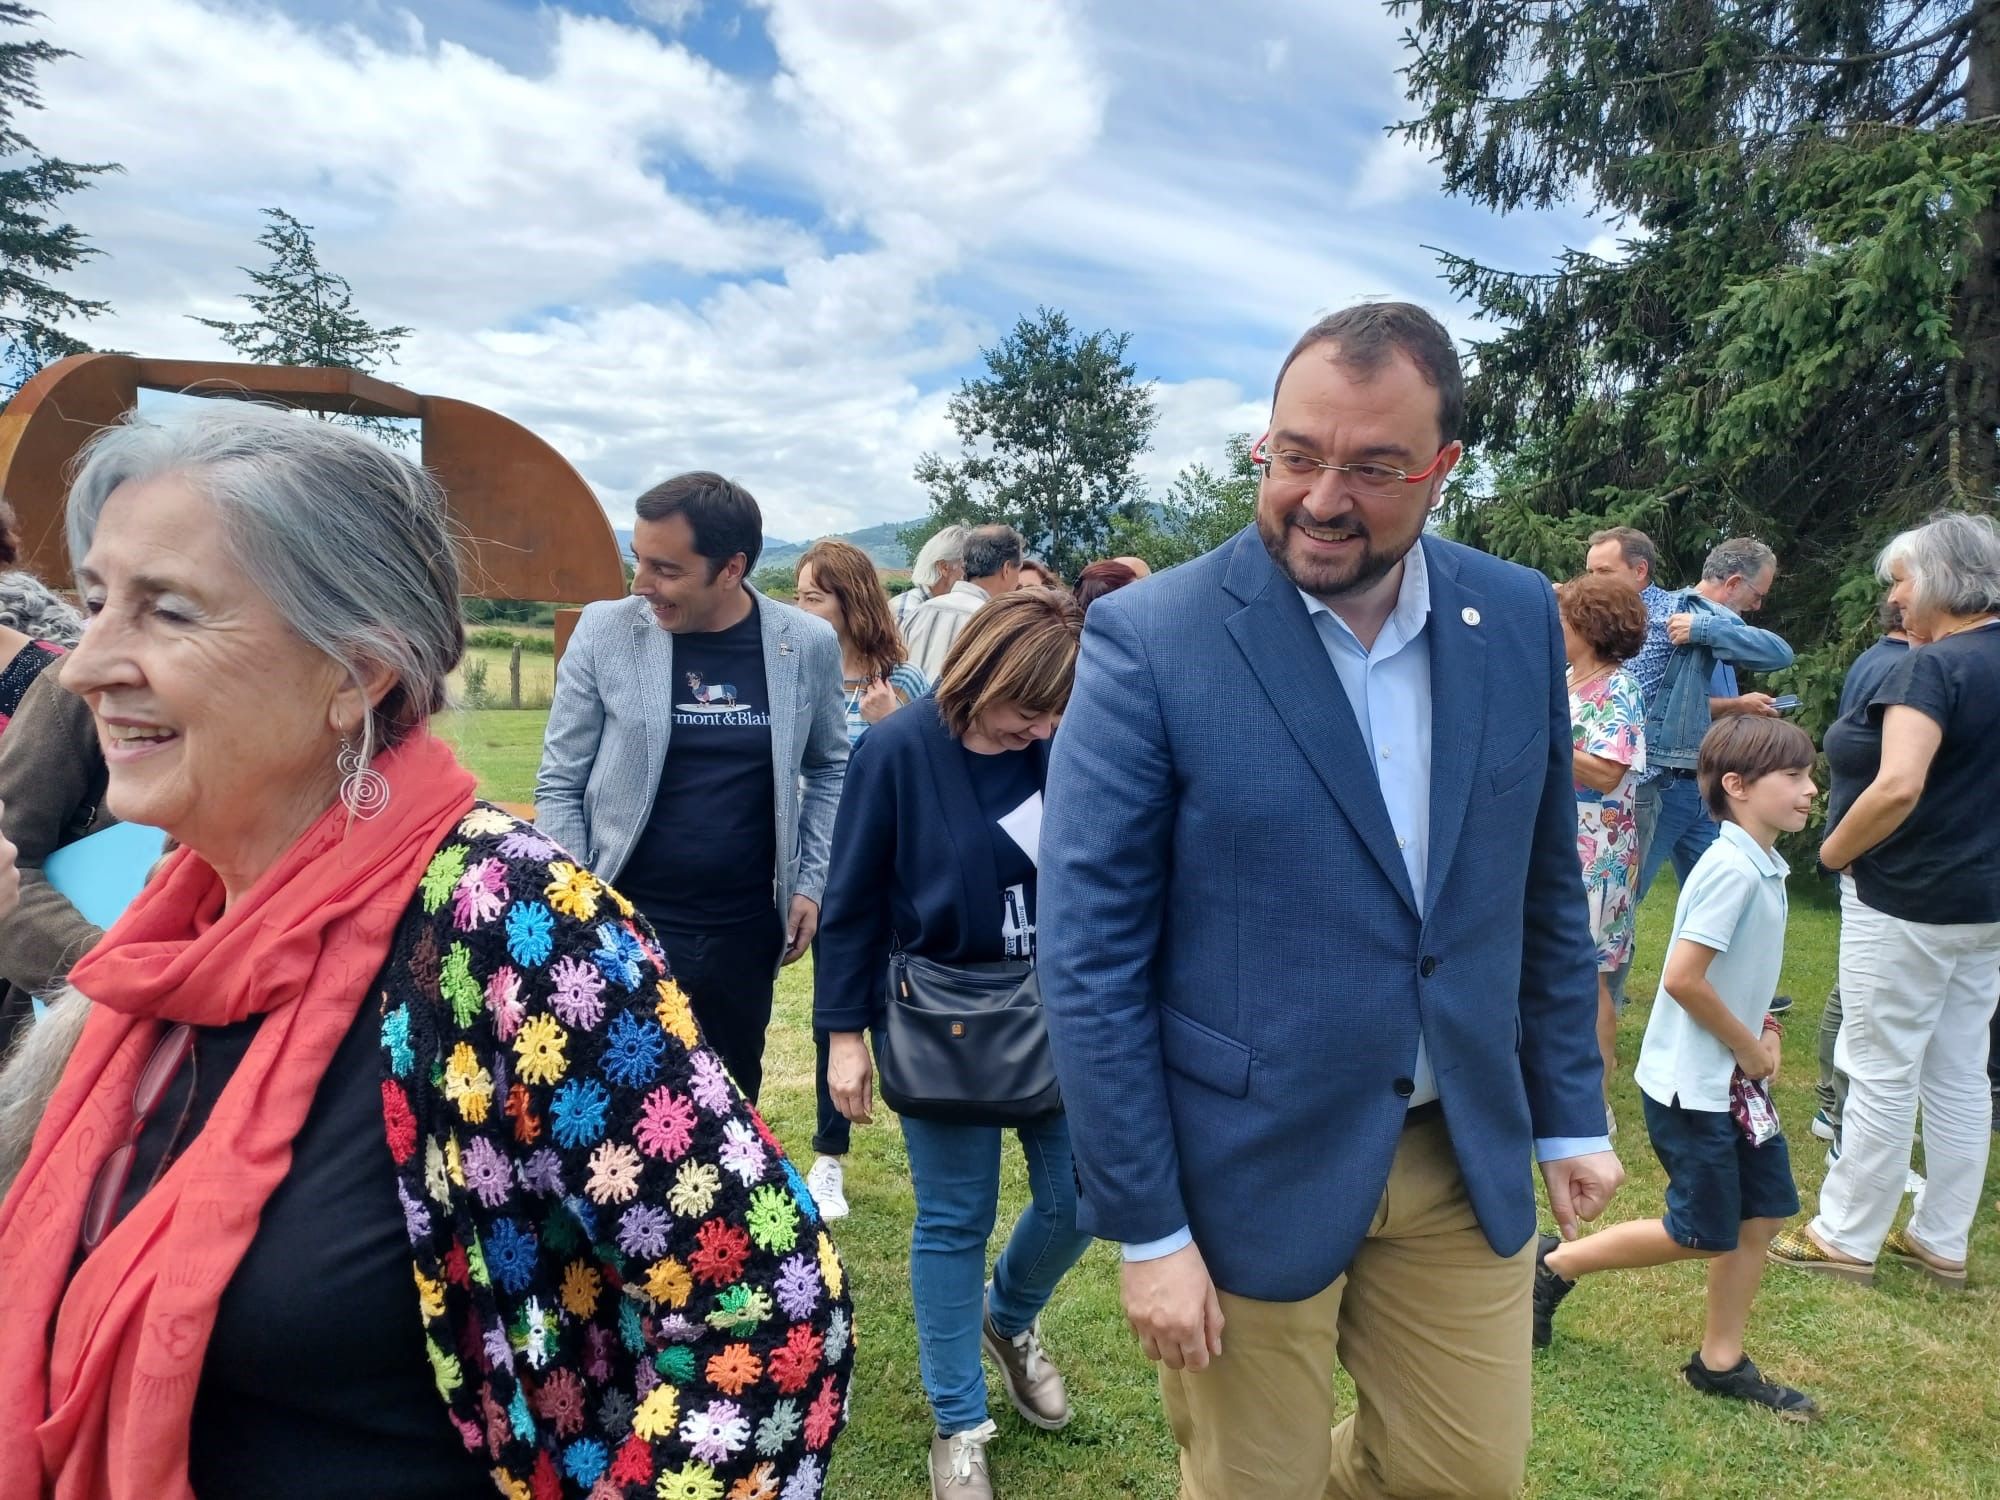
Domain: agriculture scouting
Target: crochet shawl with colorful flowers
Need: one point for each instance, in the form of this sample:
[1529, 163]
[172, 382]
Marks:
[625, 1287]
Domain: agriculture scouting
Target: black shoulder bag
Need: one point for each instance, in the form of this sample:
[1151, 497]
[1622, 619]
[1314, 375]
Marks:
[965, 1043]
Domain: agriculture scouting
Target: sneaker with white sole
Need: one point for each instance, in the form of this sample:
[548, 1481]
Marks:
[1822, 1126]
[827, 1182]
[958, 1464]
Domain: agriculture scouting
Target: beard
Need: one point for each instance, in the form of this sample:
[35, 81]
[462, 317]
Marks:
[1329, 578]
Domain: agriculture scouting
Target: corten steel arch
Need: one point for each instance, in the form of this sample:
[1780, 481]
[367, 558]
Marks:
[532, 528]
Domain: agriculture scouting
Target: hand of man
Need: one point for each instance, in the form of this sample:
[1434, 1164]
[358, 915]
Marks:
[1680, 628]
[799, 931]
[850, 1076]
[1172, 1306]
[1580, 1187]
[1756, 703]
[879, 700]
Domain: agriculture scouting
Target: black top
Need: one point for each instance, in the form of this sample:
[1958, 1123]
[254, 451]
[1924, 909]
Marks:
[710, 850]
[1943, 864]
[1009, 785]
[19, 674]
[1870, 670]
[324, 1289]
[918, 859]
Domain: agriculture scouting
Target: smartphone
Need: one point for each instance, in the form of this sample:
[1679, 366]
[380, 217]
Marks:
[1785, 703]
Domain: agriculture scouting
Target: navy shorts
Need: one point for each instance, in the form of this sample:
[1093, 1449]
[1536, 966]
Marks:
[1715, 1178]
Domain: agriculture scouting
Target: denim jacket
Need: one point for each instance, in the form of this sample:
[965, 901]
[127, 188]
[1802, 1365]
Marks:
[1677, 715]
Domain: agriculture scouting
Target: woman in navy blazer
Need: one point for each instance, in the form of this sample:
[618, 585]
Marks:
[934, 851]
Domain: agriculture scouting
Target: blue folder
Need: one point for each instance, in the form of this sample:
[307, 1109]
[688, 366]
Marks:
[101, 874]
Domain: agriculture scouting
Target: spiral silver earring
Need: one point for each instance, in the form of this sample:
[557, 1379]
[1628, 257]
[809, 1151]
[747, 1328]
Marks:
[364, 791]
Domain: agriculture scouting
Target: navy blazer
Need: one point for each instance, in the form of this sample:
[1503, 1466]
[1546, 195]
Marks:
[1232, 959]
[912, 861]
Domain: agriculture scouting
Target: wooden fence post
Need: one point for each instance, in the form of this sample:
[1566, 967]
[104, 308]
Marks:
[514, 676]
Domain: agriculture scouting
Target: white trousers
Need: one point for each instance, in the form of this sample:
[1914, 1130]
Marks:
[1917, 1000]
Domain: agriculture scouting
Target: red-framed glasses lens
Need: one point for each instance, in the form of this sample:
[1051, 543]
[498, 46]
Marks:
[1260, 456]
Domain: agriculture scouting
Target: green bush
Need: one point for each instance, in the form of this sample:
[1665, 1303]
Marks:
[477, 693]
[491, 638]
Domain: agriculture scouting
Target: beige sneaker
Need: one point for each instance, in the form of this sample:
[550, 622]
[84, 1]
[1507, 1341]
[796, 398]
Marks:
[1034, 1385]
[958, 1464]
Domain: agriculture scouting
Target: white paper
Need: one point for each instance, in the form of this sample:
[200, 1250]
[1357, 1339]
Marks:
[1024, 826]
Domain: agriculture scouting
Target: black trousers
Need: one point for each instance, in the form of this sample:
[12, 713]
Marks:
[728, 973]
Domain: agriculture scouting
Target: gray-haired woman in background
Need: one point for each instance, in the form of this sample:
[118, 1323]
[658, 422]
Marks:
[1911, 835]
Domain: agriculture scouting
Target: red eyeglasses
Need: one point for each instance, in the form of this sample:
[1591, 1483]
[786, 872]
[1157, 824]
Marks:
[1303, 469]
[107, 1189]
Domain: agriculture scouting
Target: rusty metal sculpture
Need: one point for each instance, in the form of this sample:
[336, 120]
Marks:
[532, 527]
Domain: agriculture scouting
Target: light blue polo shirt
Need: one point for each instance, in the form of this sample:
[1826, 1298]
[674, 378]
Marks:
[1734, 902]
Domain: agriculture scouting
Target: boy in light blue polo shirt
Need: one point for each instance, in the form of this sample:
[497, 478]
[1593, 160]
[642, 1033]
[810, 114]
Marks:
[1727, 1196]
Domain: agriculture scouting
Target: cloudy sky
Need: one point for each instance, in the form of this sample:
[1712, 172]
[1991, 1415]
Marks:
[766, 237]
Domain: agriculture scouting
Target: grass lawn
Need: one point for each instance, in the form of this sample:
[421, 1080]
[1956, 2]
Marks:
[1906, 1373]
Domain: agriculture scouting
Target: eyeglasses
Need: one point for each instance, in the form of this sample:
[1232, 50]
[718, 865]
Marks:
[1302, 469]
[107, 1189]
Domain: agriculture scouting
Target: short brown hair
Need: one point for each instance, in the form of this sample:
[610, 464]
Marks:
[1370, 332]
[1633, 545]
[10, 536]
[845, 571]
[1753, 746]
[1020, 649]
[1606, 613]
[1102, 578]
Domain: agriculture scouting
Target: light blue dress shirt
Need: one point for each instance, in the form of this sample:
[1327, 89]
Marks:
[1389, 688]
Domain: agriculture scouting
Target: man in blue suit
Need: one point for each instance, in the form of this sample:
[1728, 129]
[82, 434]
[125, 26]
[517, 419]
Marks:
[1315, 954]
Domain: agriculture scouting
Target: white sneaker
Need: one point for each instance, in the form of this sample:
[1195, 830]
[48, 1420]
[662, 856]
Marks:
[828, 1185]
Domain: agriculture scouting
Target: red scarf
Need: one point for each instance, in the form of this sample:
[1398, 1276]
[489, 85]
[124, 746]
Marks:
[102, 1411]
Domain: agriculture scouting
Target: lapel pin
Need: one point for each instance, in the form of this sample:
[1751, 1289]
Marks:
[784, 648]
[1469, 615]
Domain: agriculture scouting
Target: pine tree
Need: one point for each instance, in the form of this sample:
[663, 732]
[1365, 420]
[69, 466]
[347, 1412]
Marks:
[305, 315]
[33, 248]
[1049, 439]
[1800, 336]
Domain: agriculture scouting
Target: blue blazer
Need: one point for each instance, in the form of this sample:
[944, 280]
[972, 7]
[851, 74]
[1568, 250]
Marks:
[912, 860]
[1232, 959]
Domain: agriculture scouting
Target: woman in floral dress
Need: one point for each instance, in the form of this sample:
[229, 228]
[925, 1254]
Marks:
[1604, 622]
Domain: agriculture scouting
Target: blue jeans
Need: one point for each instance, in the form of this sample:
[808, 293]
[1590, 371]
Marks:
[1684, 830]
[955, 1170]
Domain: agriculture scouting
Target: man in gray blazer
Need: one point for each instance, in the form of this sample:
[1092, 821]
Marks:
[694, 757]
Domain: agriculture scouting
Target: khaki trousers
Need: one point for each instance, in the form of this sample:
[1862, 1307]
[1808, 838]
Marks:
[1431, 1324]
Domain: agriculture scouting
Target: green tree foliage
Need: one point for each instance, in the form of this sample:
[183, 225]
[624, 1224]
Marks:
[33, 248]
[1049, 437]
[776, 582]
[305, 315]
[1201, 510]
[1800, 337]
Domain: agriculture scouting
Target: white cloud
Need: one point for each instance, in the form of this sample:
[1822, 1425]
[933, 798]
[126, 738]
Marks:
[1395, 169]
[672, 14]
[943, 115]
[1197, 417]
[1276, 49]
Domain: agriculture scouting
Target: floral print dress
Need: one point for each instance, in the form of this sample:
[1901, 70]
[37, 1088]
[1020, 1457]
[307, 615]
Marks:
[626, 1289]
[1607, 718]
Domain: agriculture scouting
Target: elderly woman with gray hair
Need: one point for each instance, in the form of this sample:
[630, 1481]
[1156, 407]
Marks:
[387, 1159]
[1918, 856]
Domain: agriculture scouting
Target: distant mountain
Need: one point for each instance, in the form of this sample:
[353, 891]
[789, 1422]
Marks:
[879, 542]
